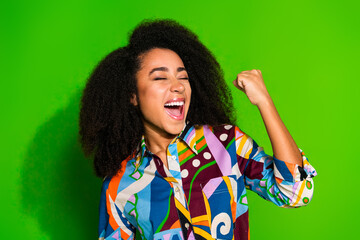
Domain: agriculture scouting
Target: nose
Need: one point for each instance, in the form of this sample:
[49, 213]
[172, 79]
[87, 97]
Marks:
[176, 86]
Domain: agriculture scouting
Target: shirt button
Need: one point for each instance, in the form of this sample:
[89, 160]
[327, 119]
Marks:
[177, 189]
[173, 157]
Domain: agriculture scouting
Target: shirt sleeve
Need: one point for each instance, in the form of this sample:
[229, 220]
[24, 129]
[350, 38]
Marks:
[112, 223]
[285, 184]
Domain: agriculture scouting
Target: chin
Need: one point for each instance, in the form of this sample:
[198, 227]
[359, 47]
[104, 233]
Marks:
[175, 129]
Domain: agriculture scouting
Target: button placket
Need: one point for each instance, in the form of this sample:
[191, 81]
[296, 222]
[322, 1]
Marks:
[179, 194]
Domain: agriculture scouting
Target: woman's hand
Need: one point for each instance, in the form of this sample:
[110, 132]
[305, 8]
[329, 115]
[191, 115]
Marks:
[252, 84]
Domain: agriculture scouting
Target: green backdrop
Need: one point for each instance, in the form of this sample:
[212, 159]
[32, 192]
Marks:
[308, 53]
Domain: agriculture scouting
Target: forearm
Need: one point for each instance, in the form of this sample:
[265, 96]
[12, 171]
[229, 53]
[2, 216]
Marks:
[283, 145]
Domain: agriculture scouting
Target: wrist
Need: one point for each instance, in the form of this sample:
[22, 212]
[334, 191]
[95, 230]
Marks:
[265, 103]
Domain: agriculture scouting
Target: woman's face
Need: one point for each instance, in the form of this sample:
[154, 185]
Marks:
[164, 92]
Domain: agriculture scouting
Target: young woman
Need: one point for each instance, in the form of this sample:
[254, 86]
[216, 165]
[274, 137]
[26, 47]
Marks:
[157, 117]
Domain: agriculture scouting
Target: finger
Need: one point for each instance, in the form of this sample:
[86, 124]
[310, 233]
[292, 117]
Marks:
[244, 73]
[238, 84]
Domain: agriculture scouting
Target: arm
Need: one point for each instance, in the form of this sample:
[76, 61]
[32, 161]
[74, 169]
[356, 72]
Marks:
[283, 145]
[112, 224]
[286, 182]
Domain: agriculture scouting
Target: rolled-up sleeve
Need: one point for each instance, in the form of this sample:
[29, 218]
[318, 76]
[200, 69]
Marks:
[285, 184]
[295, 182]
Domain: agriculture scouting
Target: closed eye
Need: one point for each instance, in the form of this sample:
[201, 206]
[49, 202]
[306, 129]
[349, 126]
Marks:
[185, 78]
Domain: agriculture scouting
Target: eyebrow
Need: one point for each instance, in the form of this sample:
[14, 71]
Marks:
[165, 69]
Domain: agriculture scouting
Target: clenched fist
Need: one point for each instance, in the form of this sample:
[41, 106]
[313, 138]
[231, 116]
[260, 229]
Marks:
[252, 84]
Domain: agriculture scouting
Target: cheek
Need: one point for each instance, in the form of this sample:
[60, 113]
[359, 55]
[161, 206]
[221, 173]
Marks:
[188, 91]
[151, 97]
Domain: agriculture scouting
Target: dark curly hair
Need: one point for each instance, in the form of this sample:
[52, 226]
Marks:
[111, 127]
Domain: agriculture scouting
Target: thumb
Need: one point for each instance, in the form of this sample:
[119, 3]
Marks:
[238, 85]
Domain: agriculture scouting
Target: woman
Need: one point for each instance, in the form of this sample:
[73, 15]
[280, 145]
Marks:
[157, 117]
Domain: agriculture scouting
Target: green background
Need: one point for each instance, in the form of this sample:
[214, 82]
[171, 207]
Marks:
[308, 53]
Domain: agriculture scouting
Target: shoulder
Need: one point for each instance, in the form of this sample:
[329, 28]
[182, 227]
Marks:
[111, 184]
[224, 132]
[227, 134]
[222, 129]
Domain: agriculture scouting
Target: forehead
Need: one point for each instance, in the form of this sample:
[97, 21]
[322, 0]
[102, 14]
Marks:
[160, 57]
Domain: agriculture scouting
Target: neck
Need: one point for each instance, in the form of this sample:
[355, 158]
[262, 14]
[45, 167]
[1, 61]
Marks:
[157, 141]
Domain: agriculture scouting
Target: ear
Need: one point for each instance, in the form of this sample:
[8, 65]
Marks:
[133, 99]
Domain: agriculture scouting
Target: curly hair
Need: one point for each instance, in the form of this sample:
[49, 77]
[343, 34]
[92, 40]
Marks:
[111, 127]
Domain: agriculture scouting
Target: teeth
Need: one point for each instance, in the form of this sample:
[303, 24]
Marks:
[174, 104]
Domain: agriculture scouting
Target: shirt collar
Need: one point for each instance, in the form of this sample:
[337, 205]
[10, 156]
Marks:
[186, 135]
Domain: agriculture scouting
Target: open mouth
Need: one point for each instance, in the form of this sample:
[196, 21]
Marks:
[175, 108]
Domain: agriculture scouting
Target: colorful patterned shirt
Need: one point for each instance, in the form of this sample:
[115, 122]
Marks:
[202, 193]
